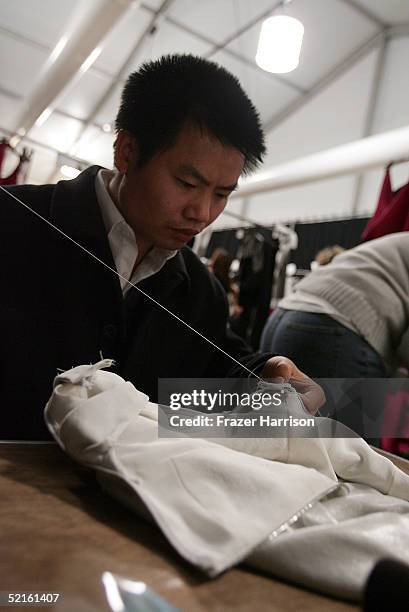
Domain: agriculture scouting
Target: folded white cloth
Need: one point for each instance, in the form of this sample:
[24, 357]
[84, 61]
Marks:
[334, 545]
[215, 501]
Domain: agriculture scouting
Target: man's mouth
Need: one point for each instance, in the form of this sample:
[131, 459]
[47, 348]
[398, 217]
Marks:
[185, 233]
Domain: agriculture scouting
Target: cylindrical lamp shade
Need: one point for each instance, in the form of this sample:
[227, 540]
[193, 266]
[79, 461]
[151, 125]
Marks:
[279, 45]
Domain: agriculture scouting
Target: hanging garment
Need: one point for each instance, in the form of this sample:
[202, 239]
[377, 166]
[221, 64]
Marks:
[392, 212]
[257, 254]
[18, 176]
[230, 500]
[395, 430]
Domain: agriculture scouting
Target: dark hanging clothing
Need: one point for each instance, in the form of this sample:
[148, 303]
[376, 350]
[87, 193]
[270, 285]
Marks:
[257, 256]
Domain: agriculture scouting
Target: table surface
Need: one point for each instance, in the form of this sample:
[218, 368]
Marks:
[59, 532]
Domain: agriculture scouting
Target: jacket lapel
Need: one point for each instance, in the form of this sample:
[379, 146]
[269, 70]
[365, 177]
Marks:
[76, 212]
[162, 285]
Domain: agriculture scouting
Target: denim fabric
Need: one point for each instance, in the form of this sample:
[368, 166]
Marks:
[320, 346]
[323, 348]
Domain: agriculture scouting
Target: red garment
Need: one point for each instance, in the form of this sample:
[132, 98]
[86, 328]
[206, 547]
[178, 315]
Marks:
[392, 212]
[395, 429]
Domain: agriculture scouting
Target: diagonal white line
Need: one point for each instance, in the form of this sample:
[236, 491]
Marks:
[129, 282]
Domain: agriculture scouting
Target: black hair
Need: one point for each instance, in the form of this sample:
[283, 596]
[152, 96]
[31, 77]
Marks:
[163, 95]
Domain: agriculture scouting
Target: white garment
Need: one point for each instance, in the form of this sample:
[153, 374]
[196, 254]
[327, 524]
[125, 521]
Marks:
[333, 546]
[122, 241]
[215, 501]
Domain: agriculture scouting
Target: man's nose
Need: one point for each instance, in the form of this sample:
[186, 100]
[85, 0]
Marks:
[199, 208]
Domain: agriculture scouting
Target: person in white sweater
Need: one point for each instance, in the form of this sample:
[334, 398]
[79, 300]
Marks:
[348, 319]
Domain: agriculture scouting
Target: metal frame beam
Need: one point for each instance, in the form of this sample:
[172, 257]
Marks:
[245, 28]
[396, 31]
[7, 93]
[365, 12]
[370, 116]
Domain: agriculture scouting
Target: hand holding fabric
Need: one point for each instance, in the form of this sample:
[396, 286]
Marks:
[310, 392]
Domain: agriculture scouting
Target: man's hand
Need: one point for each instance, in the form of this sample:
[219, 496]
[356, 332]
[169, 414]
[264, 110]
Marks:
[310, 392]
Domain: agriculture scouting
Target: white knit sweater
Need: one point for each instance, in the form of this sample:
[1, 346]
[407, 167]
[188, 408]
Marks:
[369, 287]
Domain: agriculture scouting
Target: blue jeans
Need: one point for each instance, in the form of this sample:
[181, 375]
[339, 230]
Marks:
[323, 348]
[320, 346]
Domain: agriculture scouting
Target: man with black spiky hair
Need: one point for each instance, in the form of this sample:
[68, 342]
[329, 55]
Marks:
[186, 131]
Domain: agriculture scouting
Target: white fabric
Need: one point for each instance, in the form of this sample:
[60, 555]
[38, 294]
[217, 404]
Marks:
[214, 500]
[334, 545]
[122, 241]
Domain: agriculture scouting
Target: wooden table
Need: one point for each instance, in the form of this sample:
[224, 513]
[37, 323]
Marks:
[59, 532]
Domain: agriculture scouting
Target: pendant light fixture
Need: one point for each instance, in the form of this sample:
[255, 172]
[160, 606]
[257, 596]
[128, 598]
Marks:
[280, 41]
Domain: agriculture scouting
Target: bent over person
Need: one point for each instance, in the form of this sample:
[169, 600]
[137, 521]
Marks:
[186, 131]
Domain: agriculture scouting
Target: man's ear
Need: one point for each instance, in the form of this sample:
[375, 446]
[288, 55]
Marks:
[126, 152]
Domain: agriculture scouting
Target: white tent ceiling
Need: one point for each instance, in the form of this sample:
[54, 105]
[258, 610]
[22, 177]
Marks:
[350, 82]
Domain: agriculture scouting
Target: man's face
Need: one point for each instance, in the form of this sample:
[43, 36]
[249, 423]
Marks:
[180, 191]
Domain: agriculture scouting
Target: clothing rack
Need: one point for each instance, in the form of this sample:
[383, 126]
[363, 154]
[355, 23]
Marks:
[19, 173]
[24, 155]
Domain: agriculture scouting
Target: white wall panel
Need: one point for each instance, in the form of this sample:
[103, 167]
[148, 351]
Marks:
[58, 132]
[393, 103]
[41, 20]
[335, 116]
[122, 38]
[311, 202]
[268, 95]
[20, 65]
[218, 19]
[390, 11]
[392, 112]
[80, 98]
[9, 111]
[108, 112]
[42, 166]
[96, 146]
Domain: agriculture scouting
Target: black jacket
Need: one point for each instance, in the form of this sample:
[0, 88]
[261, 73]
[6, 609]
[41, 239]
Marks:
[61, 308]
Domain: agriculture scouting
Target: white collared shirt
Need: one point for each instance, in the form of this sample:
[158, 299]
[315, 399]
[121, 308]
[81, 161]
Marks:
[122, 241]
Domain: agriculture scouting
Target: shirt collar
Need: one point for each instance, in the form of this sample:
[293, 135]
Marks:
[110, 212]
[112, 218]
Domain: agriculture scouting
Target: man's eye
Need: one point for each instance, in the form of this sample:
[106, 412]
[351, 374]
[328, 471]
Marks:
[186, 184]
[222, 196]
